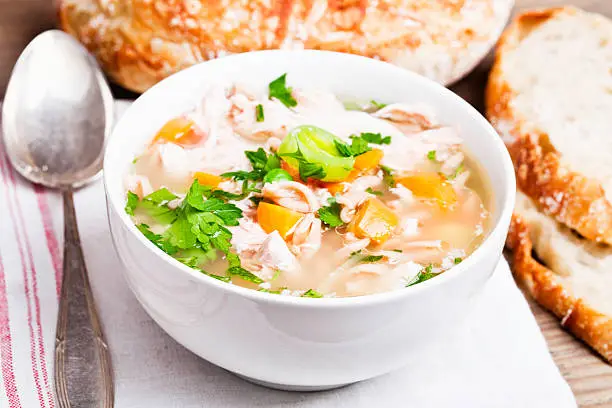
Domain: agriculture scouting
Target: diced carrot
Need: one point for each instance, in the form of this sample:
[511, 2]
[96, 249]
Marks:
[431, 186]
[272, 217]
[208, 179]
[180, 130]
[374, 220]
[368, 160]
[293, 172]
[335, 188]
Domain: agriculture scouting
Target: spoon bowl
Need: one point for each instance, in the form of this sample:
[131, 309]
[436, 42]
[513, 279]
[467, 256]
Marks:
[55, 112]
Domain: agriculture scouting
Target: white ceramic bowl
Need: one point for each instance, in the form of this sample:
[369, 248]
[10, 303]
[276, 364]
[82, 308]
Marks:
[302, 343]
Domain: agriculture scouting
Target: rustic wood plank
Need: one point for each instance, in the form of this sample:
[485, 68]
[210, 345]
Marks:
[589, 377]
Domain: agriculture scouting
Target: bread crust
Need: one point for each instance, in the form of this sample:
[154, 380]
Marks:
[576, 201]
[140, 42]
[586, 323]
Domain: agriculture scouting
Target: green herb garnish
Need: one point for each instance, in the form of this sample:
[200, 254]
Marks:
[330, 214]
[259, 113]
[278, 89]
[457, 260]
[132, 202]
[311, 293]
[375, 138]
[423, 275]
[397, 250]
[376, 193]
[431, 155]
[198, 229]
[377, 105]
[457, 171]
[261, 162]
[388, 178]
[371, 258]
[277, 175]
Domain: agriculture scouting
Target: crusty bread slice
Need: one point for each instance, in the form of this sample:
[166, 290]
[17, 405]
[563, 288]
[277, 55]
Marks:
[572, 277]
[550, 97]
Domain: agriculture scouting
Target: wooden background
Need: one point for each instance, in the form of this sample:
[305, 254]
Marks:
[589, 377]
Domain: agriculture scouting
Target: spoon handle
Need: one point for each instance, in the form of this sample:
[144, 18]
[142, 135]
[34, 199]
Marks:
[83, 372]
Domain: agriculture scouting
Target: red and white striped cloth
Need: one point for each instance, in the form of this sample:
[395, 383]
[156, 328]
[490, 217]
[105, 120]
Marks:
[501, 359]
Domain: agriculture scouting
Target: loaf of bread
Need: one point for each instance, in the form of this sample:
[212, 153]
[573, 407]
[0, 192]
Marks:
[550, 97]
[140, 42]
[569, 275]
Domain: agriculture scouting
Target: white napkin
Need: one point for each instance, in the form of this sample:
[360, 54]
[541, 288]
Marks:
[500, 360]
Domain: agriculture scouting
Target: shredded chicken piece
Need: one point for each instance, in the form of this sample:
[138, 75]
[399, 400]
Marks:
[372, 278]
[273, 144]
[350, 247]
[450, 165]
[292, 195]
[278, 120]
[275, 255]
[409, 118]
[355, 195]
[247, 237]
[405, 198]
[304, 239]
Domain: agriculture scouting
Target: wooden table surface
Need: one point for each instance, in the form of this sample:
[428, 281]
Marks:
[589, 377]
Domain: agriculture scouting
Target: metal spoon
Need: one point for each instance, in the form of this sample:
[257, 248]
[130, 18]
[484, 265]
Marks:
[56, 115]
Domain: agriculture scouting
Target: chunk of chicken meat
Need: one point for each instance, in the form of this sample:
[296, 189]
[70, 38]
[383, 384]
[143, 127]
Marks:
[292, 195]
[274, 255]
[243, 117]
[304, 239]
[363, 279]
[247, 238]
[408, 118]
[355, 195]
[410, 152]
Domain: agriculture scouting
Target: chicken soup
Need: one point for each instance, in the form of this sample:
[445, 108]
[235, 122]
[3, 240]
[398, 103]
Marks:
[291, 192]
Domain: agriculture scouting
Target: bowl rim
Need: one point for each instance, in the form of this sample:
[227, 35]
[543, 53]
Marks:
[487, 246]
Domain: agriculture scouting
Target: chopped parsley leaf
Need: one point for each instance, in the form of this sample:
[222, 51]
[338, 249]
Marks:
[423, 275]
[431, 155]
[397, 250]
[274, 292]
[359, 146]
[457, 260]
[377, 105]
[278, 89]
[244, 274]
[371, 258]
[388, 176]
[376, 193]
[276, 275]
[330, 214]
[218, 277]
[277, 175]
[457, 171]
[156, 239]
[354, 253]
[135, 160]
[198, 229]
[259, 113]
[262, 163]
[311, 293]
[132, 202]
[375, 138]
